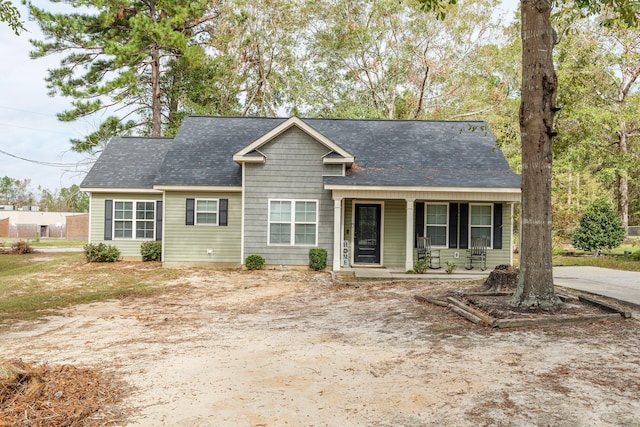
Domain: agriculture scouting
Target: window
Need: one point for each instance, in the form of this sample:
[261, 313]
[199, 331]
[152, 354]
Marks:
[207, 212]
[436, 223]
[293, 222]
[481, 222]
[125, 222]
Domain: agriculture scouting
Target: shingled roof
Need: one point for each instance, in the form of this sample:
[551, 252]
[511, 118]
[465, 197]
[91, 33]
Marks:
[387, 153]
[128, 163]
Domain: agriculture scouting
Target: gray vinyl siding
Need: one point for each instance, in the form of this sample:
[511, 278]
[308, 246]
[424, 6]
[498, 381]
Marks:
[395, 220]
[129, 248]
[190, 243]
[333, 170]
[293, 170]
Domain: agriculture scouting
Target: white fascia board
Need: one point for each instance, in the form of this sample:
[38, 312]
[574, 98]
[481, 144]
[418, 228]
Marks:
[248, 159]
[121, 190]
[286, 125]
[510, 190]
[200, 188]
[338, 160]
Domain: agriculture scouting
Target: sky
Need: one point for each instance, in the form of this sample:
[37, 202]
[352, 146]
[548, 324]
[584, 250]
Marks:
[34, 144]
[29, 128]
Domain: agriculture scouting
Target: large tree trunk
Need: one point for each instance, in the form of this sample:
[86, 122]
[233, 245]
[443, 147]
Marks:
[156, 107]
[537, 107]
[623, 180]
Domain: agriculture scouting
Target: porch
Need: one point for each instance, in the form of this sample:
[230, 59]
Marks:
[383, 273]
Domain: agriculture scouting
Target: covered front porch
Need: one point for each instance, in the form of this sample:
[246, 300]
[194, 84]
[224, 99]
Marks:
[383, 273]
[376, 228]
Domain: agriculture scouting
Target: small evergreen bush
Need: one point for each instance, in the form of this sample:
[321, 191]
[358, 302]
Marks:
[635, 255]
[151, 251]
[101, 253]
[599, 228]
[317, 259]
[21, 247]
[254, 262]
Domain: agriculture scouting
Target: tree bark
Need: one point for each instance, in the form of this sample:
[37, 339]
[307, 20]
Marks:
[156, 105]
[537, 109]
[623, 180]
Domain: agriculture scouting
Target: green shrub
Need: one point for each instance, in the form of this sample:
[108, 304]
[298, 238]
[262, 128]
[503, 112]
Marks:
[21, 247]
[420, 267]
[451, 267]
[635, 255]
[599, 228]
[101, 253]
[254, 262]
[151, 251]
[317, 259]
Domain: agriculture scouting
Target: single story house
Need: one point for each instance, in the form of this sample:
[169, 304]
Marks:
[227, 187]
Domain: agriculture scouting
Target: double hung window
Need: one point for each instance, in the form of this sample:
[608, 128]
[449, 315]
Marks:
[481, 222]
[206, 212]
[437, 223]
[134, 220]
[293, 222]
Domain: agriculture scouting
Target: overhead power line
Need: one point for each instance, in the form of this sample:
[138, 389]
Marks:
[40, 162]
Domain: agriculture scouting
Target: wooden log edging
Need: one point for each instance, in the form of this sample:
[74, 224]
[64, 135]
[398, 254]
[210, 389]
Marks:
[547, 321]
[486, 318]
[605, 306]
[478, 317]
[431, 300]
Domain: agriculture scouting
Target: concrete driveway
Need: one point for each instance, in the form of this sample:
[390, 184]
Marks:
[621, 285]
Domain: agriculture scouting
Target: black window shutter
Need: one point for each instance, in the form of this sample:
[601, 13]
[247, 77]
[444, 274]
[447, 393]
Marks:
[223, 212]
[453, 225]
[464, 225]
[419, 222]
[191, 204]
[497, 226]
[159, 220]
[108, 220]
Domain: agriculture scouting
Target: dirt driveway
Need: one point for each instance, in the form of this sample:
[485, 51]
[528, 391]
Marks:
[285, 348]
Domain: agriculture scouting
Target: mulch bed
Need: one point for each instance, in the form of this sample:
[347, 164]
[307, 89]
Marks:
[59, 395]
[488, 305]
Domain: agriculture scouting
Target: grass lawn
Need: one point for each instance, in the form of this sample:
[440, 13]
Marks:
[8, 241]
[36, 285]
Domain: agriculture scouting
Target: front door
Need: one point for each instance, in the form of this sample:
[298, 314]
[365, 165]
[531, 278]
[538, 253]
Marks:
[367, 234]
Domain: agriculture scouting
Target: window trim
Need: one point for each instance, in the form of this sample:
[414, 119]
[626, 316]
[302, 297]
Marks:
[446, 225]
[195, 212]
[133, 220]
[292, 222]
[490, 227]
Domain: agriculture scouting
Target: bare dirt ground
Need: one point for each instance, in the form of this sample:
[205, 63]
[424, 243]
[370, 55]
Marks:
[278, 348]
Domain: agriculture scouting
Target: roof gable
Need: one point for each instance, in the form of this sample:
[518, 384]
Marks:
[336, 154]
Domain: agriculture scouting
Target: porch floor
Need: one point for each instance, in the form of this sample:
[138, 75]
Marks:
[383, 273]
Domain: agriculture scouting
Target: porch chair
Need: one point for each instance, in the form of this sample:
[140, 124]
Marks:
[426, 253]
[477, 253]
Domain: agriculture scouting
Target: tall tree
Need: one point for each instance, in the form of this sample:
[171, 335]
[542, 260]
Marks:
[600, 67]
[117, 53]
[392, 60]
[537, 110]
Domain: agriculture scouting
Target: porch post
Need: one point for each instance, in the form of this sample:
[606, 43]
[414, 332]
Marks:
[408, 265]
[337, 233]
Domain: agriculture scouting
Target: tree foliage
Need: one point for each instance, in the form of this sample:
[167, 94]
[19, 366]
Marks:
[10, 15]
[118, 55]
[19, 193]
[599, 228]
